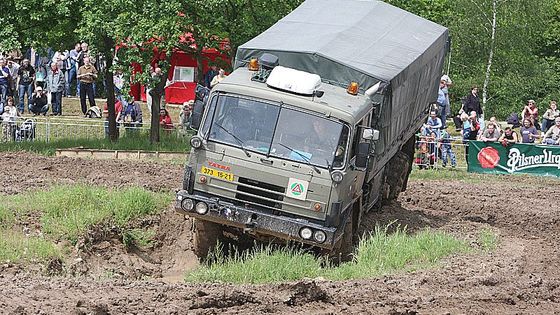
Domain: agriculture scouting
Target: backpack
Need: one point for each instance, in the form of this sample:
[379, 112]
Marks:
[513, 119]
[93, 112]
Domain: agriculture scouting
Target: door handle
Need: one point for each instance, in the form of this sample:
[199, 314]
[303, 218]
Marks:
[265, 161]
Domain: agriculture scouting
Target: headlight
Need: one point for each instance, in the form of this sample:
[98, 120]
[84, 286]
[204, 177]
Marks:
[196, 142]
[337, 176]
[187, 204]
[306, 233]
[201, 208]
[319, 236]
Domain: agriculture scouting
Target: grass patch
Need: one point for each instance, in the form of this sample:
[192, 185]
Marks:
[141, 141]
[68, 211]
[488, 240]
[138, 237]
[380, 253]
[18, 247]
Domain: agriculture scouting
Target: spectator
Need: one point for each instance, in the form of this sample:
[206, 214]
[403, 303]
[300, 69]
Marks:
[73, 68]
[26, 77]
[209, 76]
[472, 103]
[185, 116]
[471, 128]
[424, 158]
[165, 120]
[448, 84]
[4, 83]
[118, 109]
[442, 102]
[530, 111]
[549, 116]
[528, 132]
[552, 136]
[40, 74]
[9, 120]
[118, 81]
[218, 78]
[131, 116]
[432, 124]
[491, 134]
[56, 86]
[39, 102]
[87, 75]
[496, 124]
[13, 68]
[156, 75]
[446, 150]
[508, 137]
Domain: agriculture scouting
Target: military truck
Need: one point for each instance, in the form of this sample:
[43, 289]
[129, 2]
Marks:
[314, 127]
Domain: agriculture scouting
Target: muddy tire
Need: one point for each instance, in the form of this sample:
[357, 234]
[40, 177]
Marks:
[206, 237]
[396, 176]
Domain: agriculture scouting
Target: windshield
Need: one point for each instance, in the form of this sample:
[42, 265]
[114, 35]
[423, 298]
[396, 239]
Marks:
[276, 130]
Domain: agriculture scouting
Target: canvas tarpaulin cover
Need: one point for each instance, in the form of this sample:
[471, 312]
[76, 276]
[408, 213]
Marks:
[363, 41]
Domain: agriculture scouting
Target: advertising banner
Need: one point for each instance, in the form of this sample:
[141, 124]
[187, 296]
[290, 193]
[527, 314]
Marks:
[493, 157]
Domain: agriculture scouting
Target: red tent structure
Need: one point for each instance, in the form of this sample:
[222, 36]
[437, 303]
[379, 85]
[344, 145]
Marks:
[183, 71]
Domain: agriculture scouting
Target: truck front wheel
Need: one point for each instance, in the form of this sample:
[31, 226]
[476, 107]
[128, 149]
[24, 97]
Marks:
[344, 248]
[206, 237]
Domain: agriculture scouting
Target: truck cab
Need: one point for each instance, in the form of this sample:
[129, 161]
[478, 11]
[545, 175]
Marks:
[281, 157]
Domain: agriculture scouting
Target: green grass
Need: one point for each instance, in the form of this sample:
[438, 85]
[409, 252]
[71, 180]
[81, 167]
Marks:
[488, 240]
[138, 237]
[169, 143]
[17, 247]
[68, 211]
[380, 253]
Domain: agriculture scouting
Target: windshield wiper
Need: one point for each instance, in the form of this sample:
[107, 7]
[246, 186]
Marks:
[305, 158]
[234, 137]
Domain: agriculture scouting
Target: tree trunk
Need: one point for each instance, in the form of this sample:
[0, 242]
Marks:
[490, 55]
[109, 43]
[157, 93]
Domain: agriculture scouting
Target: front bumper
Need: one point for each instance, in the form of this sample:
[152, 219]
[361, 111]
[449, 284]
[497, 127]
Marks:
[255, 221]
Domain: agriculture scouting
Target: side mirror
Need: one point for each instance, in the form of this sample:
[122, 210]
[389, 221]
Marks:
[196, 115]
[201, 94]
[362, 155]
[370, 134]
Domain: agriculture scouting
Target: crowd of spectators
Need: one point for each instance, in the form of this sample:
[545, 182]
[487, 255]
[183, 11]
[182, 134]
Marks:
[434, 140]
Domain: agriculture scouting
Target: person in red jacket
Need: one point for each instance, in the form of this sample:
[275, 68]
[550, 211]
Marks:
[164, 119]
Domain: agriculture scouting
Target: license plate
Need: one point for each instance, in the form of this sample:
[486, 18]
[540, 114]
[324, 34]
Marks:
[215, 173]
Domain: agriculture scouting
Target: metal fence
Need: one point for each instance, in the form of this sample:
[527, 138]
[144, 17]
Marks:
[437, 154]
[49, 129]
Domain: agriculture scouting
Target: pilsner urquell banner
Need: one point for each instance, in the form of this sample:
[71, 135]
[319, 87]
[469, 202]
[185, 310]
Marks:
[493, 157]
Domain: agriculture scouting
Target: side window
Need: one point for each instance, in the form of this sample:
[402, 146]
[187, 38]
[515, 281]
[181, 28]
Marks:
[356, 138]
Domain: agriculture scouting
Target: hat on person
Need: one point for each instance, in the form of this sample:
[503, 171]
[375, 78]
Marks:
[446, 78]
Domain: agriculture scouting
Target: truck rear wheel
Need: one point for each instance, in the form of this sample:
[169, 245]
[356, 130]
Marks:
[396, 176]
[206, 237]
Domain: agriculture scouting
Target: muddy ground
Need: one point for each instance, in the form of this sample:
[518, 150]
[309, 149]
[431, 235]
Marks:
[521, 276]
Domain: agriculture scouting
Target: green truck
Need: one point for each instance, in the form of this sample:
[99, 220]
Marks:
[314, 127]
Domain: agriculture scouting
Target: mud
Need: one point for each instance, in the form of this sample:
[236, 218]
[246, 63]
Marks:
[104, 277]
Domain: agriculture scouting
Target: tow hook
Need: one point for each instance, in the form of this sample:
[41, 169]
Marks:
[250, 224]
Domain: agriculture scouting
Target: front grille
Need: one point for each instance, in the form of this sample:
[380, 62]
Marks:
[256, 194]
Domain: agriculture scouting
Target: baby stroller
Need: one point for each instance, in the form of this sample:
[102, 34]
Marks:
[26, 132]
